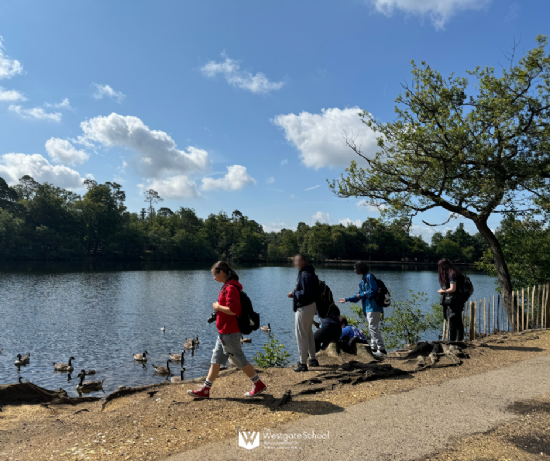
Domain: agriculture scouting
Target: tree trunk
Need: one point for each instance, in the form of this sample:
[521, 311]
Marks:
[501, 266]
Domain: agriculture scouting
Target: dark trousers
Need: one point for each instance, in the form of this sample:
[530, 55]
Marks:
[327, 333]
[453, 315]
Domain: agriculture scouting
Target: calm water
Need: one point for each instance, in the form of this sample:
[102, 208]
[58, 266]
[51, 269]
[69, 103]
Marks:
[102, 315]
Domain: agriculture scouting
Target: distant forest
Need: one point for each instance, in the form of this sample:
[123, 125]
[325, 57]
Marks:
[44, 222]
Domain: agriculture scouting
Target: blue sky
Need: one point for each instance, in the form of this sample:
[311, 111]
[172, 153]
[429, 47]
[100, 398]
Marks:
[228, 105]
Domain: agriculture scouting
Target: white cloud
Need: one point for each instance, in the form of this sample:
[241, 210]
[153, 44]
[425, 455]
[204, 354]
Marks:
[231, 71]
[276, 226]
[11, 95]
[284, 162]
[236, 178]
[348, 222]
[14, 166]
[270, 180]
[513, 12]
[157, 153]
[439, 11]
[62, 151]
[8, 67]
[320, 137]
[362, 204]
[321, 217]
[105, 91]
[311, 188]
[37, 113]
[180, 186]
[64, 104]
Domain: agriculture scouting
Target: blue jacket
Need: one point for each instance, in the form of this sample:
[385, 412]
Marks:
[368, 289]
[306, 287]
[347, 332]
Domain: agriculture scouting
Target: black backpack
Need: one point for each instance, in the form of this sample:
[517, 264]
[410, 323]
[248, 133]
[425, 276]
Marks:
[465, 288]
[323, 299]
[249, 320]
[383, 298]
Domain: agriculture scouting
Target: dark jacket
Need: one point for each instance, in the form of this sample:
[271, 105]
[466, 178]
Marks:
[306, 287]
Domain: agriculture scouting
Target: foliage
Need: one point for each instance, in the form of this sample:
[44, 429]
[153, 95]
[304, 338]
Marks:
[407, 321]
[54, 223]
[526, 246]
[274, 355]
[470, 155]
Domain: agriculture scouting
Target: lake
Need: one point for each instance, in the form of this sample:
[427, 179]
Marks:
[104, 313]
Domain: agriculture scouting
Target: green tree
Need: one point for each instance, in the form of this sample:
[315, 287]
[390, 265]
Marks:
[472, 156]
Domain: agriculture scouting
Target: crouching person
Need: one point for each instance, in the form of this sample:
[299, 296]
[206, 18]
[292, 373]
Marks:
[329, 329]
[368, 289]
[228, 343]
[350, 335]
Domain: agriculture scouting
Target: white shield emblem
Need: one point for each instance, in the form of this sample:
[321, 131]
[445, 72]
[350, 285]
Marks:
[249, 440]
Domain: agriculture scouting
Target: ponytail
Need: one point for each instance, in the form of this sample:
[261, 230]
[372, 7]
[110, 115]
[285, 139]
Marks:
[222, 266]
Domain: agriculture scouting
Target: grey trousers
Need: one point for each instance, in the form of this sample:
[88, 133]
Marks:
[304, 333]
[376, 340]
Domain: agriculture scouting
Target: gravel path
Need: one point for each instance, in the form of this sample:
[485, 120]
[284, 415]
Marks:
[406, 426]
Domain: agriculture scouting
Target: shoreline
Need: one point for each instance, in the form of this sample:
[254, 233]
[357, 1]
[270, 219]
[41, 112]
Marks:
[163, 420]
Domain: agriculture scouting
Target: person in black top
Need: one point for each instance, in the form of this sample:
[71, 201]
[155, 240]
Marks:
[303, 299]
[449, 278]
[329, 329]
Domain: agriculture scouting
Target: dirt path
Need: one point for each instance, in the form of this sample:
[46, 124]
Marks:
[406, 426]
[164, 420]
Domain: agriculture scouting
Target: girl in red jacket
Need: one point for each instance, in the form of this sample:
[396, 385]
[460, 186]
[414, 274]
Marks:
[228, 344]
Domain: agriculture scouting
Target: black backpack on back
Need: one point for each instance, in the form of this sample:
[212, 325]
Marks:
[249, 320]
[323, 299]
[465, 288]
[383, 298]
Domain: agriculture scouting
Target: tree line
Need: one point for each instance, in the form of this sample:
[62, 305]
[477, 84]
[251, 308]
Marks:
[45, 222]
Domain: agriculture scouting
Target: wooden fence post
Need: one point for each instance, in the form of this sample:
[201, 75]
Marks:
[472, 321]
[517, 309]
[523, 307]
[494, 321]
[498, 315]
[539, 313]
[484, 317]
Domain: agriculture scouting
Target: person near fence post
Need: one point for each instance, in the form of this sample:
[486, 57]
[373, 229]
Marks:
[451, 301]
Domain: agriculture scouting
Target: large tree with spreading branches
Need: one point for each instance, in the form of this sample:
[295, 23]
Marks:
[471, 150]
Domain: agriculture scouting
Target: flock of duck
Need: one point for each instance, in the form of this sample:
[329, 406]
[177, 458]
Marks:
[90, 386]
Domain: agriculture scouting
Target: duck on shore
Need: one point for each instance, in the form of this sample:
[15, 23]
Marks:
[64, 366]
[178, 379]
[88, 386]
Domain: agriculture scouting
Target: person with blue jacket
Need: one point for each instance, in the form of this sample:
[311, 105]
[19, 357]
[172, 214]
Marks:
[368, 289]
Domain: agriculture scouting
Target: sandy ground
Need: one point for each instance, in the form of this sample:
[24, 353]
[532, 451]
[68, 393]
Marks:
[152, 427]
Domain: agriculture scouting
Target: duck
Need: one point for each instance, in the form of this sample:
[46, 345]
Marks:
[268, 328]
[26, 358]
[194, 340]
[163, 370]
[89, 372]
[178, 379]
[88, 386]
[177, 357]
[18, 361]
[246, 340]
[163, 328]
[141, 357]
[188, 345]
[64, 366]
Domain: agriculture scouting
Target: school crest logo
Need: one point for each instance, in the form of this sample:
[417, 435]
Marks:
[249, 439]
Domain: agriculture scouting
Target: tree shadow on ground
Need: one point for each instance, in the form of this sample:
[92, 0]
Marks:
[309, 407]
[529, 406]
[516, 348]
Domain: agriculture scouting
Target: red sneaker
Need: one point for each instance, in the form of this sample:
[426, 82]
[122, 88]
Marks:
[258, 388]
[202, 393]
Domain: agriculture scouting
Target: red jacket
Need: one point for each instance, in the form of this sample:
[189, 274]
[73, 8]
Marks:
[230, 296]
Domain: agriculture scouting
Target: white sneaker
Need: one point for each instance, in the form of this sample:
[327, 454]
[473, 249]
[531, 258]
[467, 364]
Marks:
[380, 354]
